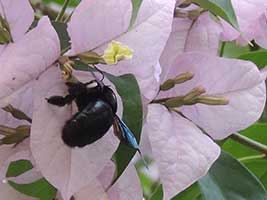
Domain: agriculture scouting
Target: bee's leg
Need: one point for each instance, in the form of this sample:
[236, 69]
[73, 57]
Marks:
[60, 100]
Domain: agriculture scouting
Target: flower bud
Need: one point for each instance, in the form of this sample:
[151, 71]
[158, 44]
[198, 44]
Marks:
[167, 85]
[16, 113]
[181, 78]
[21, 133]
[5, 34]
[5, 130]
[175, 102]
[212, 100]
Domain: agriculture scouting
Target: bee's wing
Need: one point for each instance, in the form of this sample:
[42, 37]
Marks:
[126, 134]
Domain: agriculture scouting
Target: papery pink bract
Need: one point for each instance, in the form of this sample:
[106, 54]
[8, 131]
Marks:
[22, 61]
[182, 152]
[21, 152]
[252, 20]
[9, 154]
[147, 37]
[70, 170]
[20, 65]
[201, 35]
[67, 169]
[126, 188]
[19, 15]
[239, 81]
[7, 192]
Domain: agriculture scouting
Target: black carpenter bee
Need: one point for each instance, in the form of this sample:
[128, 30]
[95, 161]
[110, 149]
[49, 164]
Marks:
[97, 107]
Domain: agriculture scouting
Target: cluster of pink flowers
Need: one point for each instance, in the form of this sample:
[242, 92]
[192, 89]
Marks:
[220, 95]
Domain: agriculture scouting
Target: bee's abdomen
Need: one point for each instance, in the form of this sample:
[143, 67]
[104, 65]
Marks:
[89, 125]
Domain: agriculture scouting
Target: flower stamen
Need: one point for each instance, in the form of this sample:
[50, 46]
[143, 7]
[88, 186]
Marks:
[193, 97]
[181, 78]
[116, 52]
[66, 68]
[16, 113]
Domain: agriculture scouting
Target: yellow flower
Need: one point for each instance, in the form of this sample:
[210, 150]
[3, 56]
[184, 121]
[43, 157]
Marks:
[115, 52]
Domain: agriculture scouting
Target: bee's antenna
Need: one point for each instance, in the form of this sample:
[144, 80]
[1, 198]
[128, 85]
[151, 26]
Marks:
[101, 72]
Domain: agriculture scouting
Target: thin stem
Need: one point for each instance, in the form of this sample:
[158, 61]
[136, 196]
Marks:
[249, 142]
[63, 51]
[68, 17]
[254, 157]
[161, 100]
[44, 10]
[62, 12]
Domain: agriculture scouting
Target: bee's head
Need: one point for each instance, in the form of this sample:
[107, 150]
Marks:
[94, 85]
[76, 89]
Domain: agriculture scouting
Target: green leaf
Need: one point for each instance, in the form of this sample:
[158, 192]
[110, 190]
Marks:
[251, 158]
[264, 179]
[258, 167]
[147, 182]
[128, 89]
[18, 167]
[73, 3]
[222, 8]
[158, 194]
[232, 50]
[257, 132]
[257, 57]
[192, 193]
[40, 189]
[136, 4]
[228, 179]
[61, 29]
